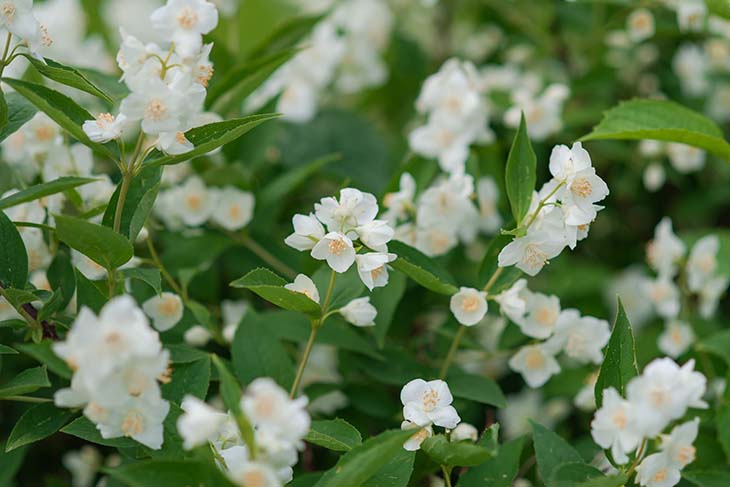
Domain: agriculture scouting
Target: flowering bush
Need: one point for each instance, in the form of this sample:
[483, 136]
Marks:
[343, 243]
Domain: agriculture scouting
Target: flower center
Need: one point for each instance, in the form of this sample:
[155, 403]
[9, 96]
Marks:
[254, 478]
[45, 133]
[660, 476]
[133, 423]
[265, 406]
[546, 316]
[234, 211]
[187, 18]
[534, 359]
[659, 397]
[619, 419]
[581, 187]
[430, 400]
[194, 201]
[8, 11]
[706, 263]
[169, 307]
[104, 120]
[336, 247]
[156, 110]
[377, 272]
[534, 257]
[180, 138]
[205, 72]
[470, 303]
[686, 454]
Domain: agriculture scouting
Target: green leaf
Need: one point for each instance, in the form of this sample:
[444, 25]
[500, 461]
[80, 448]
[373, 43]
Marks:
[386, 300]
[363, 461]
[256, 352]
[211, 136]
[107, 83]
[500, 471]
[190, 378]
[396, 473]
[62, 110]
[231, 392]
[43, 352]
[551, 450]
[489, 266]
[5, 350]
[38, 422]
[619, 363]
[717, 344]
[147, 275]
[422, 269]
[61, 275]
[44, 189]
[20, 111]
[520, 173]
[13, 257]
[101, 244]
[272, 194]
[660, 120]
[66, 75]
[88, 294]
[156, 473]
[719, 7]
[476, 388]
[336, 434]
[9, 465]
[29, 380]
[573, 474]
[242, 80]
[141, 196]
[611, 481]
[285, 36]
[4, 113]
[722, 423]
[271, 287]
[86, 430]
[708, 478]
[455, 453]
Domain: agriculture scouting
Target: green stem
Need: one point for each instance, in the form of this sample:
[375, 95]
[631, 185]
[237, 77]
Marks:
[5, 54]
[452, 351]
[166, 275]
[542, 204]
[126, 181]
[26, 399]
[447, 474]
[265, 255]
[639, 456]
[493, 279]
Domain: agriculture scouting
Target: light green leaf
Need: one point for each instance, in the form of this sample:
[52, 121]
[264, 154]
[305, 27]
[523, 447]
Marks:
[101, 244]
[500, 471]
[211, 136]
[269, 286]
[422, 269]
[455, 453]
[363, 461]
[20, 111]
[520, 173]
[619, 363]
[38, 422]
[29, 380]
[386, 300]
[147, 275]
[13, 257]
[156, 473]
[66, 75]
[43, 353]
[551, 450]
[5, 350]
[476, 388]
[719, 7]
[62, 109]
[660, 120]
[708, 478]
[86, 430]
[717, 344]
[141, 196]
[44, 189]
[336, 434]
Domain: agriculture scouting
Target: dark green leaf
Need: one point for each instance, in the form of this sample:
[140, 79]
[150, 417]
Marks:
[38, 422]
[9, 465]
[101, 244]
[422, 269]
[573, 474]
[13, 257]
[29, 380]
[20, 111]
[336, 434]
[619, 364]
[611, 481]
[87, 294]
[86, 430]
[256, 352]
[455, 453]
[551, 450]
[476, 388]
[499, 471]
[66, 75]
[717, 344]
[396, 473]
[386, 300]
[520, 173]
[61, 275]
[43, 353]
[156, 473]
[708, 478]
[147, 275]
[141, 196]
[271, 287]
[190, 378]
[273, 193]
[5, 350]
[4, 113]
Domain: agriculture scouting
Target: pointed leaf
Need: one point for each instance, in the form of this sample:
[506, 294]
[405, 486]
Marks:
[520, 173]
[38, 422]
[271, 287]
[66, 75]
[551, 450]
[29, 380]
[20, 111]
[455, 453]
[336, 434]
[422, 269]
[42, 190]
[500, 471]
[101, 244]
[619, 363]
[13, 257]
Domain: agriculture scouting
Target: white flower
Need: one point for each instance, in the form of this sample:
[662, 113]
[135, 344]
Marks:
[542, 315]
[303, 284]
[426, 403]
[337, 249]
[183, 22]
[676, 338]
[307, 232]
[640, 25]
[400, 202]
[373, 268]
[249, 473]
[513, 301]
[83, 465]
[702, 262]
[585, 400]
[536, 364]
[469, 306]
[359, 312]
[234, 208]
[566, 162]
[581, 337]
[17, 17]
[665, 250]
[691, 15]
[656, 471]
[614, 426]
[464, 431]
[654, 176]
[354, 208]
[685, 158]
[691, 66]
[166, 310]
[154, 102]
[197, 336]
[450, 145]
[105, 128]
[140, 418]
[584, 190]
[195, 203]
[199, 422]
[488, 197]
[710, 295]
[414, 442]
[376, 234]
[531, 252]
[665, 296]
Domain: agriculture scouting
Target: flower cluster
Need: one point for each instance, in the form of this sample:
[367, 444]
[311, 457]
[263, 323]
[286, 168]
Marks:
[345, 48]
[452, 99]
[17, 18]
[117, 359]
[685, 159]
[193, 204]
[560, 213]
[444, 214]
[332, 232]
[654, 400]
[279, 424]
[540, 317]
[167, 83]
